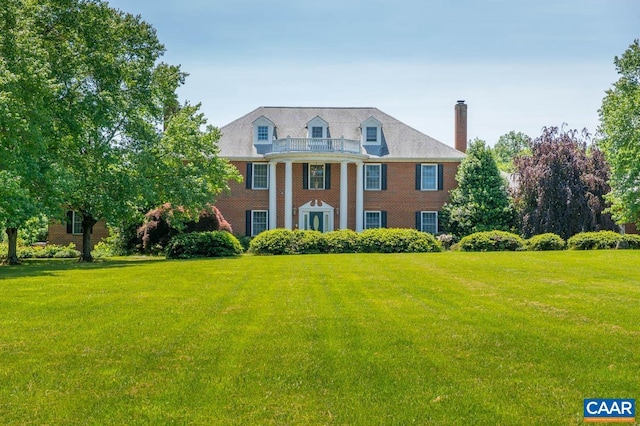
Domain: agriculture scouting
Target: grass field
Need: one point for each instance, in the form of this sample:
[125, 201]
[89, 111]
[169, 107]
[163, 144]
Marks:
[442, 338]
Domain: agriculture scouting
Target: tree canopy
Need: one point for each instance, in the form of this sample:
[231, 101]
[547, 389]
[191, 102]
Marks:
[620, 130]
[509, 146]
[561, 186]
[480, 201]
[84, 99]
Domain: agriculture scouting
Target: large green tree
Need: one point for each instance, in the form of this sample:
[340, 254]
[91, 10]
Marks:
[509, 146]
[620, 130]
[29, 169]
[480, 201]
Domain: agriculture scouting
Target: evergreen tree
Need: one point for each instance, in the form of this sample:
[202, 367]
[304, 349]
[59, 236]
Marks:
[480, 202]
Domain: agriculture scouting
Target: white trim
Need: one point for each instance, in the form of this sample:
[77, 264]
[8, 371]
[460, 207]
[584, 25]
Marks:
[263, 122]
[273, 194]
[253, 176]
[371, 122]
[422, 167]
[324, 176]
[253, 221]
[288, 194]
[312, 207]
[76, 219]
[422, 221]
[359, 195]
[344, 194]
[318, 122]
[379, 212]
[379, 165]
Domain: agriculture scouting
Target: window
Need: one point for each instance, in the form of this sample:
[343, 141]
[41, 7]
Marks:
[429, 222]
[316, 176]
[372, 220]
[372, 177]
[77, 223]
[316, 132]
[260, 176]
[259, 221]
[372, 134]
[263, 133]
[429, 180]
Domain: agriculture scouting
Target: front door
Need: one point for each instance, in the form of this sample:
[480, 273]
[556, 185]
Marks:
[316, 221]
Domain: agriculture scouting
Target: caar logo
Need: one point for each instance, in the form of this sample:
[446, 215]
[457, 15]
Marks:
[610, 410]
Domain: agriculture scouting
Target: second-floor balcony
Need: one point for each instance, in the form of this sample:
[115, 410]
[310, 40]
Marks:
[340, 145]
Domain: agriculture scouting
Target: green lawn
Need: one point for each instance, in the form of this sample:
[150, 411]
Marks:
[440, 338]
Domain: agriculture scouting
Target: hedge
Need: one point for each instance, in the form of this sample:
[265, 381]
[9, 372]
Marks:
[203, 244]
[602, 240]
[397, 240]
[49, 251]
[491, 241]
[548, 241]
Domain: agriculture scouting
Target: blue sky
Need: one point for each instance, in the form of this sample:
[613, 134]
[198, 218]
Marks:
[520, 65]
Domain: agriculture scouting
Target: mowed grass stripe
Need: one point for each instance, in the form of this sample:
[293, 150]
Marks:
[447, 338]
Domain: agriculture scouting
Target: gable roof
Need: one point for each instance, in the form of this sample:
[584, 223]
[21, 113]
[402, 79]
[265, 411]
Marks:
[399, 141]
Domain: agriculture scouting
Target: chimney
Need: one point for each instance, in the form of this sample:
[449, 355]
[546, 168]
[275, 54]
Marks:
[460, 134]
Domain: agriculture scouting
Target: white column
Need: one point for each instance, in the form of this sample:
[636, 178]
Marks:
[273, 207]
[359, 196]
[288, 195]
[344, 195]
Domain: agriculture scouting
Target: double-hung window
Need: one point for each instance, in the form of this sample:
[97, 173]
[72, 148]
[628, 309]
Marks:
[429, 179]
[260, 176]
[373, 177]
[372, 134]
[316, 176]
[77, 223]
[316, 132]
[429, 222]
[372, 219]
[259, 221]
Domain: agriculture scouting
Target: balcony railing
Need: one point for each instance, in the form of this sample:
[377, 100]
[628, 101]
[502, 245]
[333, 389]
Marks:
[316, 145]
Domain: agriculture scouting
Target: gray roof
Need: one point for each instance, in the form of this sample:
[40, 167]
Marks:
[399, 141]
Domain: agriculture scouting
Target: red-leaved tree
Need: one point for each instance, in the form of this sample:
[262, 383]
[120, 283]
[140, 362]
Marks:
[560, 187]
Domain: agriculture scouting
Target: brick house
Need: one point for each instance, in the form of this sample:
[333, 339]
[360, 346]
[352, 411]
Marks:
[70, 231]
[336, 168]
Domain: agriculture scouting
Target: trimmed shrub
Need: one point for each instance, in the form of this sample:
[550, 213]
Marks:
[203, 244]
[603, 240]
[396, 240]
[633, 240]
[308, 242]
[594, 240]
[491, 241]
[548, 241]
[275, 241]
[342, 241]
[49, 251]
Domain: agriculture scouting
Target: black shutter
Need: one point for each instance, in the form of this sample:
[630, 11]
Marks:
[327, 176]
[383, 219]
[248, 223]
[419, 221]
[69, 222]
[305, 175]
[249, 175]
[440, 177]
[383, 180]
[418, 177]
[437, 222]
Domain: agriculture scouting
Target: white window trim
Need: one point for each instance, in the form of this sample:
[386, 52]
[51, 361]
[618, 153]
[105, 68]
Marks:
[317, 122]
[260, 122]
[253, 221]
[422, 167]
[76, 219]
[379, 212]
[253, 176]
[379, 165]
[422, 213]
[324, 177]
[371, 122]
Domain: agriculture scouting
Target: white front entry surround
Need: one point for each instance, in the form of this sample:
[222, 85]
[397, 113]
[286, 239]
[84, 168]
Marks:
[316, 215]
[344, 209]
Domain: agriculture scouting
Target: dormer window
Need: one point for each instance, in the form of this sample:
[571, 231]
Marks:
[317, 128]
[263, 130]
[371, 131]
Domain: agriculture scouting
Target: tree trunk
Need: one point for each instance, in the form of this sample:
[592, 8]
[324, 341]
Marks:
[87, 224]
[12, 255]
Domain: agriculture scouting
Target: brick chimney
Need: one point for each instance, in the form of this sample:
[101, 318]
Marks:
[460, 134]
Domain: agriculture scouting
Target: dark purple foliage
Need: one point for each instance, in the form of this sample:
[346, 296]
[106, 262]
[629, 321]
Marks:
[158, 229]
[560, 187]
